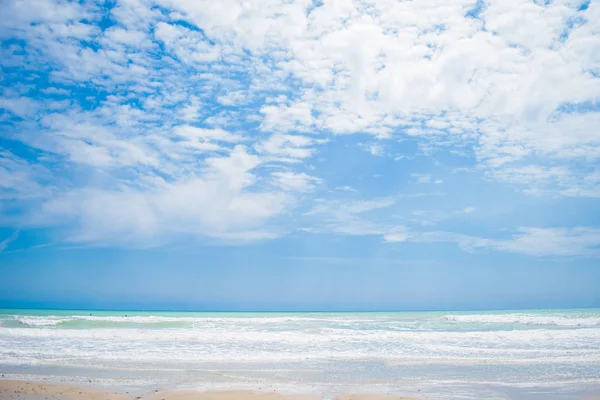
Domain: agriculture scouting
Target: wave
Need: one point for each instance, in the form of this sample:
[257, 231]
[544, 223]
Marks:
[226, 344]
[47, 321]
[61, 320]
[389, 322]
[526, 319]
[523, 346]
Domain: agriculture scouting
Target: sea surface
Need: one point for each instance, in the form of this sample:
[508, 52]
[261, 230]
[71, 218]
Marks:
[545, 354]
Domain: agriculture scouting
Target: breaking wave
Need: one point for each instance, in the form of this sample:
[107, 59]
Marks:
[526, 319]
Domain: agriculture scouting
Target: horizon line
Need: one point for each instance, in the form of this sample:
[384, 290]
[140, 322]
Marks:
[294, 311]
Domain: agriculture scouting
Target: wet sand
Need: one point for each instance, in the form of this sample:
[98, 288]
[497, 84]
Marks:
[30, 390]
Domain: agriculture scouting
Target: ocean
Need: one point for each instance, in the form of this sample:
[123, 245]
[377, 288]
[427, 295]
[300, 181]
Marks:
[545, 354]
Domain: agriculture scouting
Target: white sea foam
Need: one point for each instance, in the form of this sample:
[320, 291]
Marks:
[365, 321]
[227, 343]
[56, 320]
[533, 342]
[46, 321]
[526, 319]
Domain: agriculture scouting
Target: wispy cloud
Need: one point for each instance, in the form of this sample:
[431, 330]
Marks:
[426, 179]
[4, 243]
[375, 149]
[532, 241]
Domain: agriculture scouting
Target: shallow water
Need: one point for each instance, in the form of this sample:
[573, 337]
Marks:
[510, 354]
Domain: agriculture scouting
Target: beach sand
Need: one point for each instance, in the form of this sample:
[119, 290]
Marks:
[30, 390]
[51, 391]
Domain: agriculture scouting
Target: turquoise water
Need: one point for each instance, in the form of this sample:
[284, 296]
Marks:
[435, 320]
[551, 349]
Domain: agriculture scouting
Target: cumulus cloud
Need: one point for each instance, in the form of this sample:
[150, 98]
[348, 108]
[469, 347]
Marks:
[288, 148]
[217, 204]
[199, 117]
[187, 45]
[510, 78]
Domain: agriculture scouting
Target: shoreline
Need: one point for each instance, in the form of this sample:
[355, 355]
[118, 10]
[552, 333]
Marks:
[467, 356]
[44, 389]
[34, 390]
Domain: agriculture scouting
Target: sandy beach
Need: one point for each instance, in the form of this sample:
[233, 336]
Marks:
[43, 390]
[31, 390]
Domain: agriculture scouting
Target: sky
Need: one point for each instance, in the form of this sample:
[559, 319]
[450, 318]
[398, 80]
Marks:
[300, 154]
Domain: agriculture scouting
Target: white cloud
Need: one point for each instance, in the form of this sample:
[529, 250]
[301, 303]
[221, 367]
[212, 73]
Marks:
[174, 88]
[221, 204]
[20, 14]
[349, 218]
[395, 237]
[532, 241]
[233, 98]
[22, 106]
[125, 36]
[193, 133]
[359, 207]
[422, 178]
[295, 117]
[346, 188]
[57, 91]
[189, 46]
[552, 241]
[290, 148]
[428, 69]
[426, 179]
[4, 243]
[374, 148]
[300, 182]
[20, 179]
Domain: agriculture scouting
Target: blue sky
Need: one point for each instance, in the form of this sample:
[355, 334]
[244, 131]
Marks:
[300, 154]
